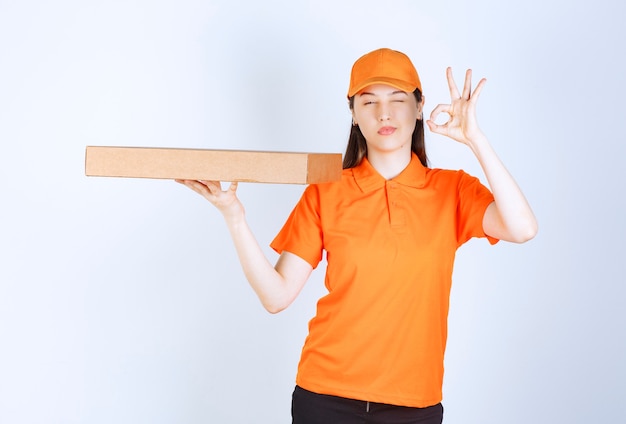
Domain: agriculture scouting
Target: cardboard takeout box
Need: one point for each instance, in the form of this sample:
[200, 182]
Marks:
[220, 165]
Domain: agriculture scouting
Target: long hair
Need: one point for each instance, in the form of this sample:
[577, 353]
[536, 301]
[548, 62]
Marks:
[357, 146]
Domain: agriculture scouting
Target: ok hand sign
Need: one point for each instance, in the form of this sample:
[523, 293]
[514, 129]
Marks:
[462, 125]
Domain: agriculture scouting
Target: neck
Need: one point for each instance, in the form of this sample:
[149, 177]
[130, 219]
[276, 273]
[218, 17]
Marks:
[389, 165]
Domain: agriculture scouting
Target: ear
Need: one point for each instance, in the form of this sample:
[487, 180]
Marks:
[354, 122]
[420, 105]
[420, 109]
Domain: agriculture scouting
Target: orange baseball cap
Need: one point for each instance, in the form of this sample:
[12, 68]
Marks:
[384, 66]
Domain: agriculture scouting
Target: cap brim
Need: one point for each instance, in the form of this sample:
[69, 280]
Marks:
[401, 85]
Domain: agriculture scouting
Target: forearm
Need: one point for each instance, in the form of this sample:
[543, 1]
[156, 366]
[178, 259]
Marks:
[276, 286]
[272, 288]
[512, 219]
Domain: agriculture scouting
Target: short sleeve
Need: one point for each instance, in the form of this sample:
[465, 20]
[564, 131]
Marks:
[473, 200]
[302, 232]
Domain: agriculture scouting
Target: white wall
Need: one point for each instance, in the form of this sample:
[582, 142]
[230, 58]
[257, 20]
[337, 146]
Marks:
[121, 301]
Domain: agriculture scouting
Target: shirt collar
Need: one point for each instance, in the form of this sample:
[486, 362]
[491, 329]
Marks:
[368, 179]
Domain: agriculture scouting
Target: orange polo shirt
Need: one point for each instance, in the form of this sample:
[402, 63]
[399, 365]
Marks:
[380, 333]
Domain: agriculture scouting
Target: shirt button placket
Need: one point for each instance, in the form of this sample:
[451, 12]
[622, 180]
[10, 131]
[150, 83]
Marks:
[395, 213]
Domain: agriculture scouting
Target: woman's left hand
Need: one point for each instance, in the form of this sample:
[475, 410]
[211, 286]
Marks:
[462, 125]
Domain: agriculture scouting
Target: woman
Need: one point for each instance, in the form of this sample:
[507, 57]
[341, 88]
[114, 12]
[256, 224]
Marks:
[390, 229]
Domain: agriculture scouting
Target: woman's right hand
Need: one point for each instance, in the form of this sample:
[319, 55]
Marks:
[226, 201]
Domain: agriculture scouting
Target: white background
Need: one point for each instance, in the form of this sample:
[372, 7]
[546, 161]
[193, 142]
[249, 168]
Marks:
[122, 301]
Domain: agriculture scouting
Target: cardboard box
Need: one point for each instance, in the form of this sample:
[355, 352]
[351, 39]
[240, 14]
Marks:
[219, 165]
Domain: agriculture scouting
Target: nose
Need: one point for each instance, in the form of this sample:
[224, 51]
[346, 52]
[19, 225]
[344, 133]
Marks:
[383, 113]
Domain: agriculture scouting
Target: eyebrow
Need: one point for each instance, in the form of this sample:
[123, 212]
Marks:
[364, 93]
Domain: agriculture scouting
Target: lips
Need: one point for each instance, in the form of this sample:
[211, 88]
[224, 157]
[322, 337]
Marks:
[386, 130]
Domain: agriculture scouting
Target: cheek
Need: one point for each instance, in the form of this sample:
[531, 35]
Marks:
[361, 114]
[409, 120]
[408, 115]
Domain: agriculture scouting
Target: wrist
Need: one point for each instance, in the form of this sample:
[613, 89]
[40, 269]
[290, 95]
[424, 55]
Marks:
[234, 219]
[478, 142]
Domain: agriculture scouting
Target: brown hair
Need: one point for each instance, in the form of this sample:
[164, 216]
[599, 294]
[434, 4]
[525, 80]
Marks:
[357, 146]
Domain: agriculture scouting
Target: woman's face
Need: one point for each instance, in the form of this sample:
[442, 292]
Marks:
[386, 117]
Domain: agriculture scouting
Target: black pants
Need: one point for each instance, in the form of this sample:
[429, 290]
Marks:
[312, 408]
